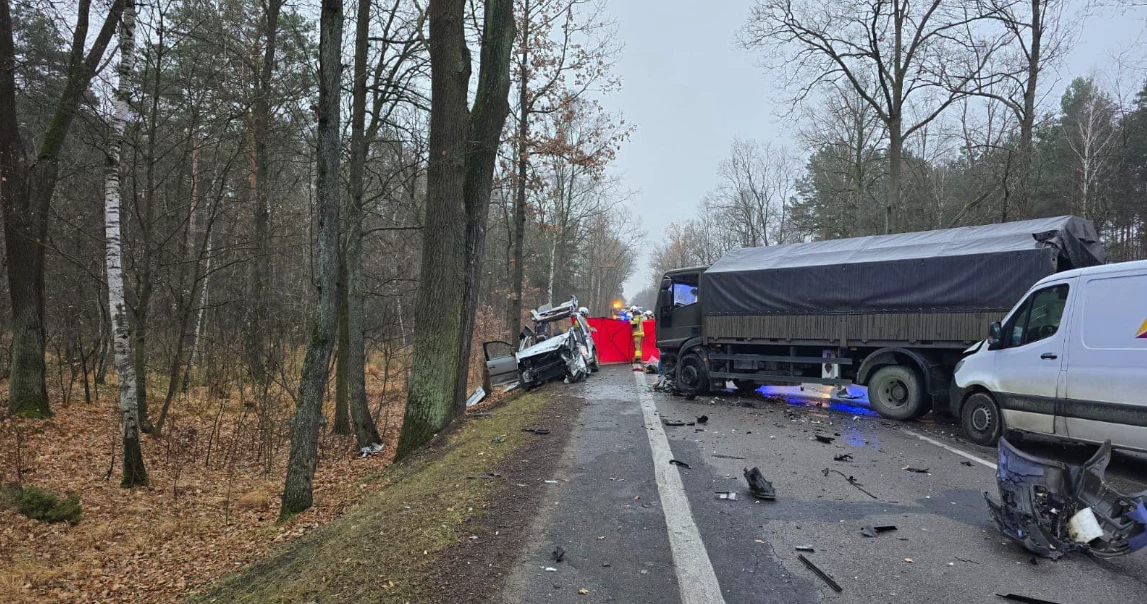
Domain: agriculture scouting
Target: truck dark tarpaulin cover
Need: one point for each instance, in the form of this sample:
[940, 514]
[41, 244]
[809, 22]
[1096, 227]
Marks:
[968, 269]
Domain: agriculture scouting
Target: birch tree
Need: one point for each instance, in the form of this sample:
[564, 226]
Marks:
[134, 473]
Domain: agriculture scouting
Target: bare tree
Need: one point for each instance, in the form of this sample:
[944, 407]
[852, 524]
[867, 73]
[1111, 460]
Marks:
[26, 189]
[757, 183]
[297, 493]
[463, 150]
[907, 61]
[134, 473]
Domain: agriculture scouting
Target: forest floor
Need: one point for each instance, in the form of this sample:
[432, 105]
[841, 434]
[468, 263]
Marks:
[211, 507]
[442, 526]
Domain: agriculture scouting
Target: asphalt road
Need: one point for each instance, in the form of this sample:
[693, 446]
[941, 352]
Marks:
[608, 508]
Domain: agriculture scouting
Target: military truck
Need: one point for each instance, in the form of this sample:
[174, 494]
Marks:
[892, 312]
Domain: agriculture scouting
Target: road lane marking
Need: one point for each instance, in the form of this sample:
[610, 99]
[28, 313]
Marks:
[933, 441]
[695, 577]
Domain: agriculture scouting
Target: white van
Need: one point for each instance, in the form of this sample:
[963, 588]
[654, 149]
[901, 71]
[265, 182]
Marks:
[1070, 360]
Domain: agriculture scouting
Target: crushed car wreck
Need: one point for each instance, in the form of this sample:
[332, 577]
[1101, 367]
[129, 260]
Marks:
[1052, 508]
[545, 352]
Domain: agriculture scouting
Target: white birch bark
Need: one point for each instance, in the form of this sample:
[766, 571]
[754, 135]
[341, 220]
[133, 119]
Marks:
[121, 342]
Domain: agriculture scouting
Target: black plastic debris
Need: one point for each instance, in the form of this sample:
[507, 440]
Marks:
[820, 573]
[851, 480]
[805, 548]
[558, 554]
[916, 470]
[824, 439]
[703, 419]
[673, 423]
[1052, 508]
[966, 463]
[872, 531]
[727, 456]
[679, 463]
[1027, 599]
[536, 430]
[843, 457]
[758, 486]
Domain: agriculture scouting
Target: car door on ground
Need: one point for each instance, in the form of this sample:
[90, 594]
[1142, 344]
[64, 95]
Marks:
[1028, 366]
[1106, 377]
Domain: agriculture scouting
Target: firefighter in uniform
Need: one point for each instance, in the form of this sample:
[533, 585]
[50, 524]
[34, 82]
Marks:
[638, 326]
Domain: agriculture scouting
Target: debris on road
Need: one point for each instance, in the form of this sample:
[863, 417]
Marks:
[872, 531]
[478, 396]
[1027, 599]
[820, 573]
[703, 419]
[843, 457]
[673, 423]
[909, 560]
[729, 495]
[916, 470]
[679, 463]
[558, 554]
[1052, 508]
[851, 480]
[758, 486]
[718, 455]
[550, 569]
[583, 591]
[805, 548]
[966, 463]
[824, 439]
[534, 430]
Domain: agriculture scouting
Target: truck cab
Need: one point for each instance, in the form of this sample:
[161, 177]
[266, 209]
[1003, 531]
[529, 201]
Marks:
[678, 310]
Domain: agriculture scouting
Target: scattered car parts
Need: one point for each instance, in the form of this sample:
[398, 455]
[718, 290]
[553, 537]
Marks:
[1053, 508]
[758, 486]
[820, 573]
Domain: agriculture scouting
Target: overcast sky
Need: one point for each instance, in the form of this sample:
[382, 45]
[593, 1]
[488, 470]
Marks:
[689, 89]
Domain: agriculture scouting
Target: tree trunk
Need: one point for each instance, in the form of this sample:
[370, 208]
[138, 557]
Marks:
[134, 473]
[365, 432]
[463, 148]
[1027, 120]
[26, 195]
[261, 265]
[341, 423]
[297, 495]
[517, 272]
[895, 159]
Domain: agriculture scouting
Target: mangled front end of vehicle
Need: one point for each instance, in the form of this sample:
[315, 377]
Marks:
[551, 359]
[1052, 508]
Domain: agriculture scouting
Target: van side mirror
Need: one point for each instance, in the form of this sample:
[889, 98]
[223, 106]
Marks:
[995, 336]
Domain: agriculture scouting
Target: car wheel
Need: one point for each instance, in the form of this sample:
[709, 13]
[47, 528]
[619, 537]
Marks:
[692, 377]
[895, 392]
[981, 420]
[595, 366]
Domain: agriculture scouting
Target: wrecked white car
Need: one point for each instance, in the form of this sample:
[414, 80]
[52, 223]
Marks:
[1052, 508]
[545, 352]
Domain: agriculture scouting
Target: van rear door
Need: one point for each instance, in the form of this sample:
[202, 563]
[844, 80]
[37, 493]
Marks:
[1106, 378]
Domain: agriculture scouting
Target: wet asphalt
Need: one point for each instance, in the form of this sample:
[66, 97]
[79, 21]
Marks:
[605, 512]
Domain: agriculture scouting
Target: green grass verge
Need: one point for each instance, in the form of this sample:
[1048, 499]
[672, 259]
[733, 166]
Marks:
[381, 549]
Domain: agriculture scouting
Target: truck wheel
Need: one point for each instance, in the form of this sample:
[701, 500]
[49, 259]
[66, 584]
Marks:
[895, 392]
[692, 377]
[981, 420]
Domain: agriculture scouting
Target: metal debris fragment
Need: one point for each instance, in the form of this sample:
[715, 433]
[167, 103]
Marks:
[842, 457]
[758, 486]
[679, 463]
[824, 439]
[729, 495]
[820, 573]
[916, 470]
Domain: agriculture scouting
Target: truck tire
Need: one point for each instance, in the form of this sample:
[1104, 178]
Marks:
[981, 420]
[895, 392]
[692, 376]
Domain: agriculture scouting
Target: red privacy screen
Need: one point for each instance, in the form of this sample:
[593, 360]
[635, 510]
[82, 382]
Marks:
[614, 340]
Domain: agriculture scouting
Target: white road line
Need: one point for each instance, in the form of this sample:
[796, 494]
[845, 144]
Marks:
[974, 458]
[695, 577]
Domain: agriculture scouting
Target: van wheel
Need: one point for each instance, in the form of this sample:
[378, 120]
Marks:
[895, 392]
[981, 420]
[692, 377]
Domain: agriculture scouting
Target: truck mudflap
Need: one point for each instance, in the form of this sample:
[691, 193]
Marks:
[1053, 508]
